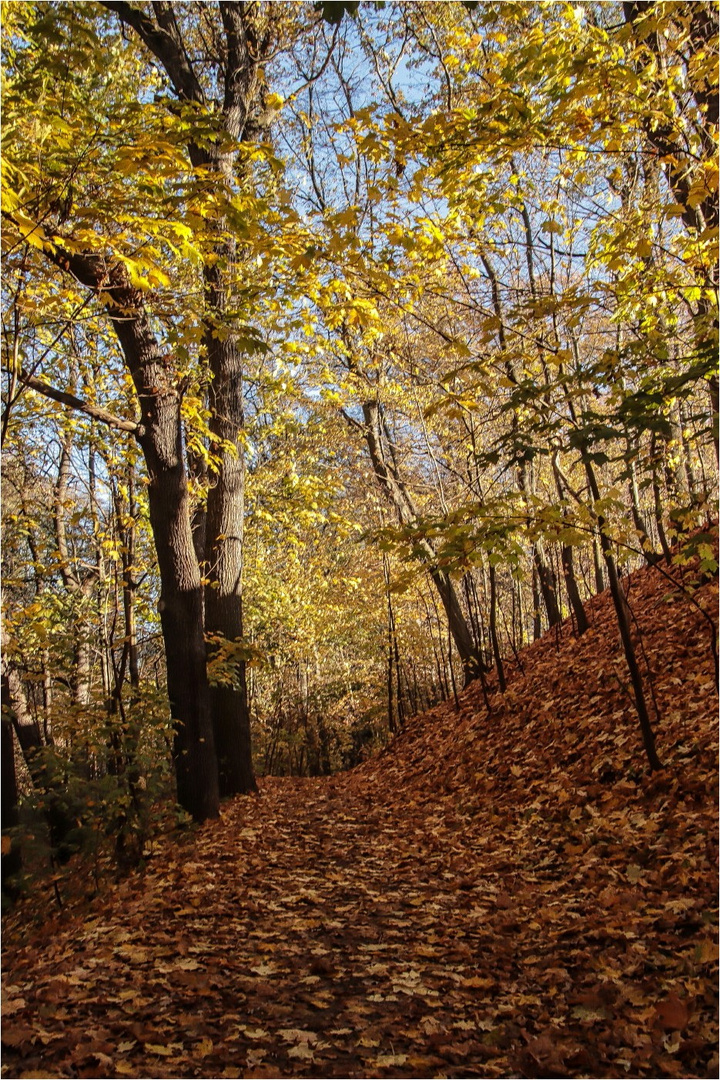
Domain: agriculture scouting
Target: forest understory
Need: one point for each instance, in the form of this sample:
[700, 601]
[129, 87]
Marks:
[502, 893]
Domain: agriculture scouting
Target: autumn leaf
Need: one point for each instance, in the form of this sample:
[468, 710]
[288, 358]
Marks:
[155, 1048]
[672, 1014]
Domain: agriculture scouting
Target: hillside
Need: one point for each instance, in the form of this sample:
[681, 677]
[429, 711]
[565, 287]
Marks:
[503, 892]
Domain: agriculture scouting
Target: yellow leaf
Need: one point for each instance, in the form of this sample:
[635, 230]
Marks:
[302, 1052]
[154, 1048]
[706, 952]
[31, 231]
[158, 277]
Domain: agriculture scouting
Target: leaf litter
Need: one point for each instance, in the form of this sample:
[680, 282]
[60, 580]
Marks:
[502, 893]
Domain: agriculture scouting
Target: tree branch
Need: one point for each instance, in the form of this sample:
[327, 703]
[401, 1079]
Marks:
[73, 402]
[164, 43]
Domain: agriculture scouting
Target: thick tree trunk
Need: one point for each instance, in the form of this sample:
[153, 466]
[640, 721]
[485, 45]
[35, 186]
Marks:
[224, 550]
[457, 624]
[181, 613]
[160, 435]
[181, 600]
[246, 43]
[537, 622]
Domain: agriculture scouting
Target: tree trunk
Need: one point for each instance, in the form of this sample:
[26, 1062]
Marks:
[181, 615]
[160, 435]
[457, 624]
[548, 587]
[572, 589]
[650, 555]
[686, 450]
[493, 631]
[224, 549]
[387, 476]
[181, 601]
[537, 623]
[244, 46]
[620, 605]
[597, 564]
[568, 568]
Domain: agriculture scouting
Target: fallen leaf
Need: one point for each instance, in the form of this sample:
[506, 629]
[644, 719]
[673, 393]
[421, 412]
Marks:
[389, 1061]
[155, 1048]
[302, 1052]
[672, 1014]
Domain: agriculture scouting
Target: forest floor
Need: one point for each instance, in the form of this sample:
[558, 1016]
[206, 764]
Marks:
[502, 895]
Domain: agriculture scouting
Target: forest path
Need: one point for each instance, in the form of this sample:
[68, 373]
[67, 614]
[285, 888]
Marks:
[311, 934]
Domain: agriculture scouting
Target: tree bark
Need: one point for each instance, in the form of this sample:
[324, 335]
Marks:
[181, 601]
[620, 605]
[493, 631]
[181, 607]
[572, 589]
[566, 556]
[548, 587]
[224, 549]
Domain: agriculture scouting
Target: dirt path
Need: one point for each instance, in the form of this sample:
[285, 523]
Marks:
[310, 935]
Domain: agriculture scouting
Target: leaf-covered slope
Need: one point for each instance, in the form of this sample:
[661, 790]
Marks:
[495, 896]
[568, 716]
